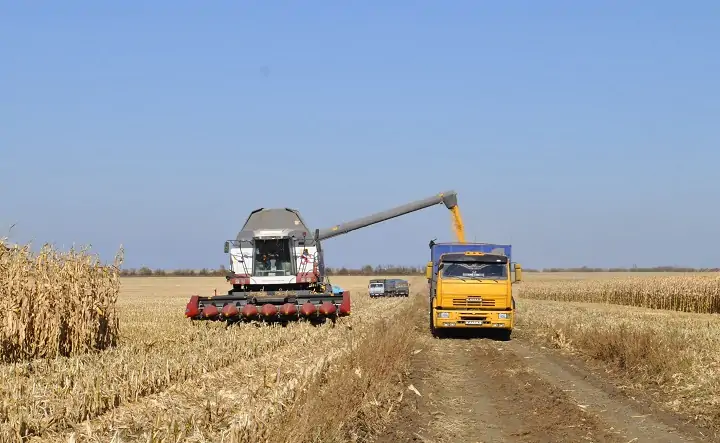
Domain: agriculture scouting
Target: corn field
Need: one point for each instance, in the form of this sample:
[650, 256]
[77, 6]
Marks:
[55, 304]
[170, 380]
[165, 379]
[686, 293]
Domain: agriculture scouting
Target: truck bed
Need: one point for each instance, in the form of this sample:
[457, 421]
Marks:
[443, 248]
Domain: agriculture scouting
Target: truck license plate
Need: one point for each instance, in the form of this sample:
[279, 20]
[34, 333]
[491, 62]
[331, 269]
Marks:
[473, 322]
[474, 299]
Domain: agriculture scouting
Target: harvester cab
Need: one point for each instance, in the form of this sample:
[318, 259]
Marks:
[277, 268]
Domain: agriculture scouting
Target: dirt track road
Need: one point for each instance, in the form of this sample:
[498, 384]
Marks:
[482, 390]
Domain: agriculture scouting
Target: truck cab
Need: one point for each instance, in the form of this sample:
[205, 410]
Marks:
[376, 288]
[471, 287]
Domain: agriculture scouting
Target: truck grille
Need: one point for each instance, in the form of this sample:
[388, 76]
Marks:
[464, 303]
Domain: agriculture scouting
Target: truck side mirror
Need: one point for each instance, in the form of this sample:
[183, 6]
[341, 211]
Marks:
[518, 272]
[227, 247]
[440, 266]
[428, 270]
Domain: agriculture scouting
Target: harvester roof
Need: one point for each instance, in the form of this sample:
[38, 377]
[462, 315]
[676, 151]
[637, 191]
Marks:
[286, 220]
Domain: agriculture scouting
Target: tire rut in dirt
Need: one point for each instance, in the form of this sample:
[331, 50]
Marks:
[477, 390]
[630, 420]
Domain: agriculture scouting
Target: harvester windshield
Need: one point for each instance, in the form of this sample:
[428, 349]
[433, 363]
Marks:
[273, 258]
[465, 270]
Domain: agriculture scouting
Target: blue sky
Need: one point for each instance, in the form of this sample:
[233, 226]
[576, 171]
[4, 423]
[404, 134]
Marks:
[584, 133]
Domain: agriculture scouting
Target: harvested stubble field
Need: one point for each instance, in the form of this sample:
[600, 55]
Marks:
[673, 357]
[170, 380]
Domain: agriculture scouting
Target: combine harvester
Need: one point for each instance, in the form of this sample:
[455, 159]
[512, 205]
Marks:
[277, 270]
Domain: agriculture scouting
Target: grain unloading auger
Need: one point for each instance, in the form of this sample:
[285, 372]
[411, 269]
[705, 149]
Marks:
[277, 267]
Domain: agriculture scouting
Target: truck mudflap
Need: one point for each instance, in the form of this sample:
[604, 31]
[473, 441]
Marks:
[269, 307]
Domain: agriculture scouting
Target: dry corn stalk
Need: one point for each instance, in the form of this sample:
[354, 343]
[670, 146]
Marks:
[687, 293]
[55, 304]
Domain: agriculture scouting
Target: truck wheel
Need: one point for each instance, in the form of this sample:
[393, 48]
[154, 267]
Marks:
[433, 330]
[504, 334]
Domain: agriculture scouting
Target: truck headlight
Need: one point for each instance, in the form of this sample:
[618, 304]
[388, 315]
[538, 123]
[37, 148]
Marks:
[503, 316]
[444, 315]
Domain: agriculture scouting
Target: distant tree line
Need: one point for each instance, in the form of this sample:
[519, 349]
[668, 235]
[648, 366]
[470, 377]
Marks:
[392, 270]
[222, 271]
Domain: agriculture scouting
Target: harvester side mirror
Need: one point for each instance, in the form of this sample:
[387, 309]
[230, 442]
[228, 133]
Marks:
[518, 272]
[227, 247]
[428, 270]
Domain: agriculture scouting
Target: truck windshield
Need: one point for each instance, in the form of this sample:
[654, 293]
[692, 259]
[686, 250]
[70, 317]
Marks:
[479, 271]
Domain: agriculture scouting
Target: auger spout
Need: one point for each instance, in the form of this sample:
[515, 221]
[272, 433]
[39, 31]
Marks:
[448, 198]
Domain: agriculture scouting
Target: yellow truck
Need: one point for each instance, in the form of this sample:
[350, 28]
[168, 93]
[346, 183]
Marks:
[470, 287]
